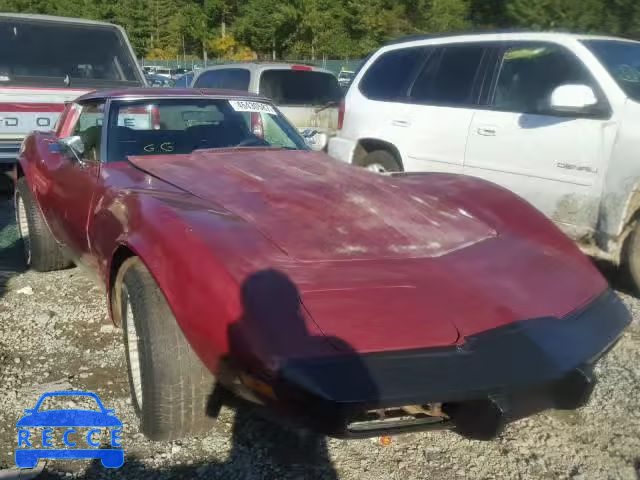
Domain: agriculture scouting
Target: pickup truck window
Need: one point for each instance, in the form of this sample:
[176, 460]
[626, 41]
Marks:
[59, 54]
[622, 60]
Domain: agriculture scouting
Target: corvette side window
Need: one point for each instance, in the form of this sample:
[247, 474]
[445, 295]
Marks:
[89, 128]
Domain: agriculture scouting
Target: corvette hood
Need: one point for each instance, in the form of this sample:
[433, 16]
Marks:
[317, 209]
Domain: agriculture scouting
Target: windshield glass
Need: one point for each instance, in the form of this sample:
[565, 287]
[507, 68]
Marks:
[622, 59]
[45, 53]
[300, 87]
[180, 126]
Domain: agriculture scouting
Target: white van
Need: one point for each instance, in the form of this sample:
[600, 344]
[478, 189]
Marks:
[553, 117]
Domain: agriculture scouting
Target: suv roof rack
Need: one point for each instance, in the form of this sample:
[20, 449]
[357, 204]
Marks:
[430, 36]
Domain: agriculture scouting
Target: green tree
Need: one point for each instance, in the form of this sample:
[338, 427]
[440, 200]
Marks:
[582, 15]
[267, 27]
[439, 15]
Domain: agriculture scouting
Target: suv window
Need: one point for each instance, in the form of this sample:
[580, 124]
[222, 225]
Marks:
[230, 78]
[89, 128]
[299, 87]
[448, 76]
[530, 73]
[390, 75]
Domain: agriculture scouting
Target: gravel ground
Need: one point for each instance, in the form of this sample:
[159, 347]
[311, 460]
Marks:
[54, 335]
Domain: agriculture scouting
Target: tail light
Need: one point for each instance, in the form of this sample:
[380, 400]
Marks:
[341, 114]
[256, 125]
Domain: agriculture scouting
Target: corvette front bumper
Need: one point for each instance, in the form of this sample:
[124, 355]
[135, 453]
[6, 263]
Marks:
[495, 377]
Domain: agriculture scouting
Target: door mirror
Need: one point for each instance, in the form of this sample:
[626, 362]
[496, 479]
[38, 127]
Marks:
[73, 147]
[573, 99]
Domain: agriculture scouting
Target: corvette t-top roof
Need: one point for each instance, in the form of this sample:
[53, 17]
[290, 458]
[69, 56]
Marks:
[167, 93]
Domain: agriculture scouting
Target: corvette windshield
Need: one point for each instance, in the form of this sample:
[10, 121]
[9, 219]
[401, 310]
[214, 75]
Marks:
[622, 59]
[180, 126]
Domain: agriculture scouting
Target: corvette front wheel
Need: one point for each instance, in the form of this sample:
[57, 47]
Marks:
[169, 384]
[41, 251]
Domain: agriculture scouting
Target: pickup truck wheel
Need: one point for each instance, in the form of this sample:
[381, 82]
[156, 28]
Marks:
[380, 161]
[41, 251]
[169, 384]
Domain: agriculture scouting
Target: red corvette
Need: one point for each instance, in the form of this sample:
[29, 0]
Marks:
[353, 303]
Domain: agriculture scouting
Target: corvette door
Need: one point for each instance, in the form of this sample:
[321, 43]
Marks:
[73, 184]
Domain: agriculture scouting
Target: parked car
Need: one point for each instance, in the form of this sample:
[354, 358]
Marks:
[35, 82]
[165, 72]
[345, 77]
[308, 96]
[184, 81]
[155, 80]
[550, 116]
[150, 68]
[178, 72]
[354, 303]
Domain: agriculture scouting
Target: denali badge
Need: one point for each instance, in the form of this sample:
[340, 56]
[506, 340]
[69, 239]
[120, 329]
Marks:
[580, 168]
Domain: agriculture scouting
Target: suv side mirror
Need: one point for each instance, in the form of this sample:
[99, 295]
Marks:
[73, 147]
[573, 99]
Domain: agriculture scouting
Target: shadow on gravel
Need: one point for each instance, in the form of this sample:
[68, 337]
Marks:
[616, 277]
[261, 451]
[11, 255]
[263, 447]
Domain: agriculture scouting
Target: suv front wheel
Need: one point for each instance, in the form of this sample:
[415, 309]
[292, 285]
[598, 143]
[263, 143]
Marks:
[380, 161]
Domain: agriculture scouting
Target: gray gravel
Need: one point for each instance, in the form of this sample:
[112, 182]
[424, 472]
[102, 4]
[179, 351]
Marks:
[54, 335]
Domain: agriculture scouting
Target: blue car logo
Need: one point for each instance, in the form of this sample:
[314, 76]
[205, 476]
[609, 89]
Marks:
[32, 447]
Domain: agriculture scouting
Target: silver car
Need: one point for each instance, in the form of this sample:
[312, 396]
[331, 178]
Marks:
[308, 96]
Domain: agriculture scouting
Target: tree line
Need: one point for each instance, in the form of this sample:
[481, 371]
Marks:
[312, 29]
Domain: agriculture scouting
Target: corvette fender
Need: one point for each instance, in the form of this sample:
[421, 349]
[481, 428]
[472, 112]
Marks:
[178, 259]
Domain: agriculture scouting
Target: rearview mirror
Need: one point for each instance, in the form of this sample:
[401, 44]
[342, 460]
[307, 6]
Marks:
[73, 147]
[573, 99]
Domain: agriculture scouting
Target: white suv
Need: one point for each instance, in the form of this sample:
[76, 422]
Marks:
[553, 117]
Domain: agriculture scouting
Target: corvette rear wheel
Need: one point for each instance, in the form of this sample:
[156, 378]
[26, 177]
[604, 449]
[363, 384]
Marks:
[41, 251]
[169, 384]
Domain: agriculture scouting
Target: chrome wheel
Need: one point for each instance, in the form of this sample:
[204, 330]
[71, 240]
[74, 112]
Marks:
[376, 167]
[133, 352]
[23, 227]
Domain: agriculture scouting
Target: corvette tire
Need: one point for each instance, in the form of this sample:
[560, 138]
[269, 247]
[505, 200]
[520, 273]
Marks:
[41, 251]
[381, 161]
[169, 384]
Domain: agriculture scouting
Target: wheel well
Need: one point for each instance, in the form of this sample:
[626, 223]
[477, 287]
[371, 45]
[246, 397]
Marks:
[368, 145]
[121, 254]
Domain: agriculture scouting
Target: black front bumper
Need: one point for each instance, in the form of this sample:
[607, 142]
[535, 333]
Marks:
[495, 377]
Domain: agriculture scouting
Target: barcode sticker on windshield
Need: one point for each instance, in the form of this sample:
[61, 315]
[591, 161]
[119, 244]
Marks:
[247, 106]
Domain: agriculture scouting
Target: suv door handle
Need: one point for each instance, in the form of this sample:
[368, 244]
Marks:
[400, 123]
[487, 132]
